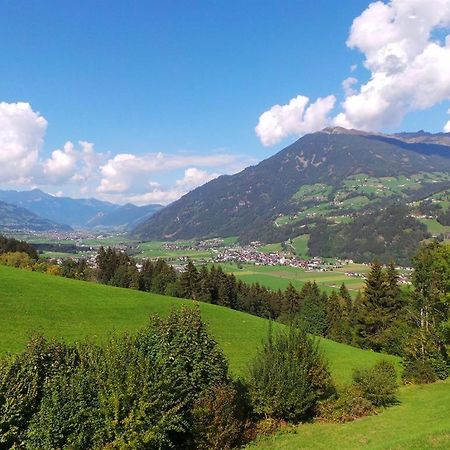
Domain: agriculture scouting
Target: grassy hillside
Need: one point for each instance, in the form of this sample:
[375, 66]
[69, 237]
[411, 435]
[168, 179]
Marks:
[72, 310]
[420, 421]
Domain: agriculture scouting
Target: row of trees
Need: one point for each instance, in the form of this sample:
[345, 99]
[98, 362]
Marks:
[11, 245]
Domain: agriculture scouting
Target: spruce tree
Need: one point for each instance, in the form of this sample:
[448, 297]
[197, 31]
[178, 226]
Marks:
[189, 282]
[371, 314]
[334, 317]
[346, 304]
[291, 303]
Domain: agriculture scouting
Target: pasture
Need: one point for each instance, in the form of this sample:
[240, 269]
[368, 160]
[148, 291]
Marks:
[74, 310]
[421, 420]
[279, 277]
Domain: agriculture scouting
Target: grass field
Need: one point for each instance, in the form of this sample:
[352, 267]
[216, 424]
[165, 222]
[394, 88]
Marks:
[434, 227]
[155, 249]
[420, 421]
[279, 277]
[69, 309]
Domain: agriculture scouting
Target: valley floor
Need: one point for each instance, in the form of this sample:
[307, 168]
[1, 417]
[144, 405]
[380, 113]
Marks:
[420, 421]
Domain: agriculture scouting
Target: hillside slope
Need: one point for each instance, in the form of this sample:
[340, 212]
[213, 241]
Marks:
[71, 309]
[420, 421]
[310, 172]
[124, 217]
[14, 218]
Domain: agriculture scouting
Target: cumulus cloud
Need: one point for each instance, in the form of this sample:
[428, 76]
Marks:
[22, 133]
[194, 177]
[347, 86]
[154, 192]
[296, 117]
[79, 170]
[409, 66]
[129, 173]
[62, 164]
[406, 49]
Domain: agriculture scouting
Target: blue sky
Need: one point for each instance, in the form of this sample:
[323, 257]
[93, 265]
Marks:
[178, 81]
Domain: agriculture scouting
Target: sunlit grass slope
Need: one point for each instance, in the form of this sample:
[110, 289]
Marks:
[420, 421]
[70, 309]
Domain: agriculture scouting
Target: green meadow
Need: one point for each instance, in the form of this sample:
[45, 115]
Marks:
[73, 310]
[421, 420]
[279, 277]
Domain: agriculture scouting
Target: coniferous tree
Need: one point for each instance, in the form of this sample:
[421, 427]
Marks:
[426, 356]
[291, 304]
[146, 276]
[346, 304]
[371, 314]
[189, 282]
[312, 314]
[334, 316]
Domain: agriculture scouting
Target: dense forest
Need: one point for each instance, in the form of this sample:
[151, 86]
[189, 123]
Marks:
[388, 235]
[10, 245]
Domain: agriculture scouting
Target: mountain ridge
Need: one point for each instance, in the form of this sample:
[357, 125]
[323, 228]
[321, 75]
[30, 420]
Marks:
[235, 204]
[79, 213]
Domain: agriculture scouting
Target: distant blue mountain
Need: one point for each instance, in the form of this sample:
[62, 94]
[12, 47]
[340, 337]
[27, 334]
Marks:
[15, 218]
[80, 213]
[126, 217]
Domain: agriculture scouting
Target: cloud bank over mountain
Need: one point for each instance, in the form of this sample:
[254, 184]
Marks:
[405, 46]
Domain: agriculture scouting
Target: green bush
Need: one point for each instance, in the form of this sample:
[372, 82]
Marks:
[347, 406]
[22, 380]
[377, 384]
[288, 377]
[220, 419]
[137, 392]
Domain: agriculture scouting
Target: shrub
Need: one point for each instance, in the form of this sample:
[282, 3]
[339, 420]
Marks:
[220, 419]
[288, 376]
[166, 387]
[22, 381]
[377, 384]
[348, 405]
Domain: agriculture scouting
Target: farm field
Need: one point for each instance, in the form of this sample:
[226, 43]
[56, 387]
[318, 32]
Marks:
[155, 249]
[421, 420]
[434, 227]
[73, 310]
[279, 277]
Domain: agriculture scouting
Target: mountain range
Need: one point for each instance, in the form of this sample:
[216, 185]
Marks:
[64, 212]
[15, 218]
[329, 175]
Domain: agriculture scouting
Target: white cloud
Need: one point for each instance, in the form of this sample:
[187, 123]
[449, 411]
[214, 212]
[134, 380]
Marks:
[154, 192]
[194, 177]
[129, 173]
[447, 127]
[406, 49]
[62, 164]
[296, 117]
[409, 67]
[79, 170]
[22, 133]
[347, 86]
